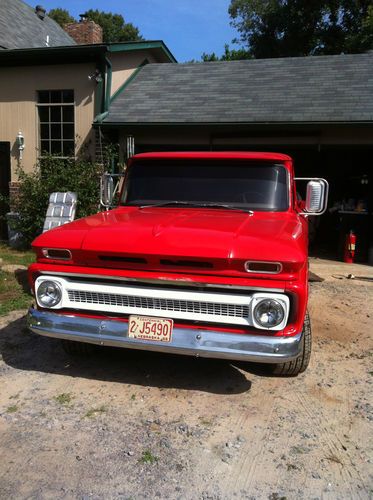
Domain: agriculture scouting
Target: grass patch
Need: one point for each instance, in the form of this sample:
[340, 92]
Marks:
[12, 256]
[64, 399]
[95, 411]
[12, 409]
[147, 457]
[12, 295]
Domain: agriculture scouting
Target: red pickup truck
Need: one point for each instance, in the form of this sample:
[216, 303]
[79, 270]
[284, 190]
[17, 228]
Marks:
[205, 255]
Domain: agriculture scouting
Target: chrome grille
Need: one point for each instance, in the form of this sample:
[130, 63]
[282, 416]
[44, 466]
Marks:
[153, 303]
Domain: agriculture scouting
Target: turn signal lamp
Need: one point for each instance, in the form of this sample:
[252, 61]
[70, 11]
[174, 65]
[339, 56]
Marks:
[252, 266]
[56, 253]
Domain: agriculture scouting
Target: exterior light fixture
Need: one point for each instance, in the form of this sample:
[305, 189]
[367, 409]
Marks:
[96, 76]
[20, 143]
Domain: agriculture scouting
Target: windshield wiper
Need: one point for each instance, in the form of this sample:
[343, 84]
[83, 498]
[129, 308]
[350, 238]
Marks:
[195, 205]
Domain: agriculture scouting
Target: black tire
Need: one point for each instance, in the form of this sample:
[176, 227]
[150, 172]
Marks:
[299, 364]
[77, 348]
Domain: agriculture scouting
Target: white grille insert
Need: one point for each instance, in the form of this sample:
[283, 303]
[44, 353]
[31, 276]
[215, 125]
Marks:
[161, 305]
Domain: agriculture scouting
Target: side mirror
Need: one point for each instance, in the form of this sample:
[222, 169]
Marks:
[106, 190]
[316, 197]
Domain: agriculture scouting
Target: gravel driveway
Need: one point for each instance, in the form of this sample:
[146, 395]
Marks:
[133, 425]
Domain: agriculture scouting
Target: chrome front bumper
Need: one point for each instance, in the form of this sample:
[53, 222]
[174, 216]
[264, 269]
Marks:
[204, 343]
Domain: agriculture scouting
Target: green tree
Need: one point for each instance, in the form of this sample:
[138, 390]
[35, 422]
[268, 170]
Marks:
[61, 16]
[229, 55]
[115, 29]
[281, 28]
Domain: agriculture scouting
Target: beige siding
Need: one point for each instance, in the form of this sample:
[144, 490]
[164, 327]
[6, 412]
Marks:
[125, 64]
[18, 87]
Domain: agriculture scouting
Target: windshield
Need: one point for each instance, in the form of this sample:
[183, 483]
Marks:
[244, 185]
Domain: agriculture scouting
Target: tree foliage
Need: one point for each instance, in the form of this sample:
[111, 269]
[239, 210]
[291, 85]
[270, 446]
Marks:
[114, 27]
[229, 55]
[61, 16]
[281, 28]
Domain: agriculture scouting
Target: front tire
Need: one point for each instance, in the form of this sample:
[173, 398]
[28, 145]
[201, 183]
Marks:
[299, 364]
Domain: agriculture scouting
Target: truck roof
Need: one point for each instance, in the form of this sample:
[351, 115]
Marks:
[224, 155]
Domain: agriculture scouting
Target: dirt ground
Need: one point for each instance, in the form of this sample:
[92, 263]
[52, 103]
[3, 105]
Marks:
[133, 425]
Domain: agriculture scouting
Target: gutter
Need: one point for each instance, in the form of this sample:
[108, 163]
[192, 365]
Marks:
[237, 123]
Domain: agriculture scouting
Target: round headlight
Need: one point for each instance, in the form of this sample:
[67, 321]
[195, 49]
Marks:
[269, 313]
[49, 293]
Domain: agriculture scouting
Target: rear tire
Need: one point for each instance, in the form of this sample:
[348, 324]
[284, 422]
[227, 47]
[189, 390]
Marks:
[299, 364]
[77, 348]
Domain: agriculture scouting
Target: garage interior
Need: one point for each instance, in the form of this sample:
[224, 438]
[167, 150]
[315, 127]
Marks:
[342, 156]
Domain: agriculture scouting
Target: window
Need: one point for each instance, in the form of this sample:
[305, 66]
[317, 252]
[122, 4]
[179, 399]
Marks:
[242, 184]
[56, 121]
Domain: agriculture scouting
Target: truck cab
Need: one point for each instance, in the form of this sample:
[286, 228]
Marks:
[205, 254]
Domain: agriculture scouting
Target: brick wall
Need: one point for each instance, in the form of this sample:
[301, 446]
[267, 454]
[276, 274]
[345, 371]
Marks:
[84, 32]
[13, 195]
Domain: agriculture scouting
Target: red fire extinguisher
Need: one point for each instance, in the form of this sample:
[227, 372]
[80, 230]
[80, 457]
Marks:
[350, 245]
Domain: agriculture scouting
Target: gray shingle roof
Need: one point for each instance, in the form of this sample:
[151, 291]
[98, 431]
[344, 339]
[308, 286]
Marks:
[21, 28]
[302, 89]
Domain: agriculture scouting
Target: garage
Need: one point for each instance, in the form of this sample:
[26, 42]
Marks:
[319, 110]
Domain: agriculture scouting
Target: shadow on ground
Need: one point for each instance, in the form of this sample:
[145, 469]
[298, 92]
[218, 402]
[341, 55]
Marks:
[24, 350]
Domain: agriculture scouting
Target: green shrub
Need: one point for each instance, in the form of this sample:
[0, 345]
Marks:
[53, 174]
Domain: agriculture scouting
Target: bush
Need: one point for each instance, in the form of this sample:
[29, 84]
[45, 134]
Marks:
[53, 174]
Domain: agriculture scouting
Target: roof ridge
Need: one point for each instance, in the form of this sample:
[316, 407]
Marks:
[272, 59]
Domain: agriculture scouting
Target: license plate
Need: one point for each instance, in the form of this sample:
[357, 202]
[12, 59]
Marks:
[147, 328]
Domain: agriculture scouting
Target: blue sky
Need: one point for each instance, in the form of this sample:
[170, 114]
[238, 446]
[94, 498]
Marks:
[188, 27]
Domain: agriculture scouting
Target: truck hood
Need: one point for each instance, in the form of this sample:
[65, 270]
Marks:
[217, 236]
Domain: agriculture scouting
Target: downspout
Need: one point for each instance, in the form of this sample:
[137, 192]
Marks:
[109, 71]
[108, 83]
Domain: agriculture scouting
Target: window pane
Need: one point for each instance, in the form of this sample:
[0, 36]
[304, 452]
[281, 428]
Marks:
[56, 131]
[55, 113]
[236, 183]
[43, 96]
[56, 117]
[44, 113]
[68, 131]
[68, 148]
[56, 148]
[44, 131]
[67, 96]
[44, 146]
[68, 114]
[56, 96]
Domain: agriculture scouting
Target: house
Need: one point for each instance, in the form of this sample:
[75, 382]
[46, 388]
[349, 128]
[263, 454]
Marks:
[319, 110]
